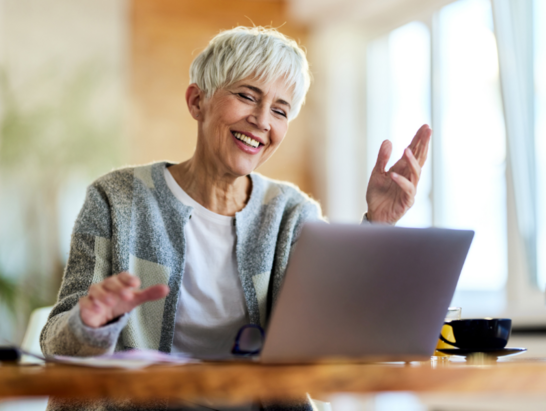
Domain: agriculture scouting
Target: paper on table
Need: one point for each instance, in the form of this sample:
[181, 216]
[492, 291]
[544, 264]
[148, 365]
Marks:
[132, 359]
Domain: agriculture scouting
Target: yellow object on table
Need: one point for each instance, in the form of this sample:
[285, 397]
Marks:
[447, 333]
[453, 313]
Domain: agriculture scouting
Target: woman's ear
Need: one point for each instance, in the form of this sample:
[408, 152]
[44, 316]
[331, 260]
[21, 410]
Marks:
[194, 100]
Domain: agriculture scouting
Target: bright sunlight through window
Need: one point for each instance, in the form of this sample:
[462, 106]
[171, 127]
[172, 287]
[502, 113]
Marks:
[470, 153]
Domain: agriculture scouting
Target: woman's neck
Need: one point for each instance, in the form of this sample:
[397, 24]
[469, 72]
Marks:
[220, 193]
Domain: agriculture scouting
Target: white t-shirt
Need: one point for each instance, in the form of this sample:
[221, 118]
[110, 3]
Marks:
[211, 305]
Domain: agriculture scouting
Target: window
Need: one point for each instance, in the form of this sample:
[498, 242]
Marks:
[464, 181]
[466, 69]
[471, 158]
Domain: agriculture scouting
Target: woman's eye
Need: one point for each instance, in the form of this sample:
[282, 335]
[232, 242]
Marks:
[246, 97]
[280, 112]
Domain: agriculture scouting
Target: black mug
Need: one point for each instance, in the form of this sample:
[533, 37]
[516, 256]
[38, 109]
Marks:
[480, 333]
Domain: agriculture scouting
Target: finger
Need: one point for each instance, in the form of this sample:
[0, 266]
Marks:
[384, 155]
[129, 279]
[155, 292]
[100, 294]
[113, 284]
[420, 151]
[416, 140]
[130, 284]
[118, 289]
[414, 167]
[426, 145]
[407, 187]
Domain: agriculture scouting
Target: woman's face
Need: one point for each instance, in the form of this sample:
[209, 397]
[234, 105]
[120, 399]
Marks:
[242, 125]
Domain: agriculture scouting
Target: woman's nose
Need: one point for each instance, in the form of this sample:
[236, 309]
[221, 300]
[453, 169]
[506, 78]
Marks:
[260, 118]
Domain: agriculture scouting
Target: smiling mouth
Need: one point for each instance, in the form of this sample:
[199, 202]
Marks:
[246, 139]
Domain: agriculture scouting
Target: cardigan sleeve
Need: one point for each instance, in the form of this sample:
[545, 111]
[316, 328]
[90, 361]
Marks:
[307, 212]
[90, 260]
[290, 230]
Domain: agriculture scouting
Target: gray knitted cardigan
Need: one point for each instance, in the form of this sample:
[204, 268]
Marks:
[131, 221]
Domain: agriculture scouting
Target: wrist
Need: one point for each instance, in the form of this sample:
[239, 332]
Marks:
[91, 339]
[377, 218]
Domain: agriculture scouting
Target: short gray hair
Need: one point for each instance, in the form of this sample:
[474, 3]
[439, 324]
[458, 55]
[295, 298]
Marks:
[235, 54]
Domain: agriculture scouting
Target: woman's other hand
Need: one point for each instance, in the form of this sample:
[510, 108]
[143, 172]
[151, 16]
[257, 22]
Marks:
[116, 296]
[391, 193]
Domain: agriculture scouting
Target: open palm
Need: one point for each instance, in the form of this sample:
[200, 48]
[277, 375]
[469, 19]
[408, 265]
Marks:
[391, 193]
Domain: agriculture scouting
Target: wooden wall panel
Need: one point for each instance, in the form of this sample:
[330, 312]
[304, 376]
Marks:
[165, 36]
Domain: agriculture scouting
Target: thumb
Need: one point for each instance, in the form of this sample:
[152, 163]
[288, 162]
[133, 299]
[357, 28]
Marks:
[155, 292]
[384, 155]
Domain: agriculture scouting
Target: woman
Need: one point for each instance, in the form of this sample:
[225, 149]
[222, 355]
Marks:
[208, 240]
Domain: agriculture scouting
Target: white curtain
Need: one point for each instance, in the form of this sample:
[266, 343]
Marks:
[513, 20]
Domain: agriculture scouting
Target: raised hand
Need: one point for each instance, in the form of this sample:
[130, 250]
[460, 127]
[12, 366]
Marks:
[391, 193]
[115, 296]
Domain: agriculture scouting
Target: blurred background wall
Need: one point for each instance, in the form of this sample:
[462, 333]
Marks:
[166, 35]
[63, 79]
[91, 85]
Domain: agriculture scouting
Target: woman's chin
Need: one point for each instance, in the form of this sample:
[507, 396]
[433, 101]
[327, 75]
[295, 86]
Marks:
[240, 170]
[243, 167]
[244, 171]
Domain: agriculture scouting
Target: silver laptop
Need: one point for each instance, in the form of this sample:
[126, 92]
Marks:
[368, 292]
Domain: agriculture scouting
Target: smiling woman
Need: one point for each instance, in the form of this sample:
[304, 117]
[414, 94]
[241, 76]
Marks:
[208, 239]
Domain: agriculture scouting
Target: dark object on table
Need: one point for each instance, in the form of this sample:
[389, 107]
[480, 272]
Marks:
[9, 354]
[480, 334]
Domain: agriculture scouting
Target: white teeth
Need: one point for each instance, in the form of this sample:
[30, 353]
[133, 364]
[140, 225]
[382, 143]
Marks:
[247, 140]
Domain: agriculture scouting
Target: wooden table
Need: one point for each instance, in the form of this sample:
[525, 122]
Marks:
[243, 382]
